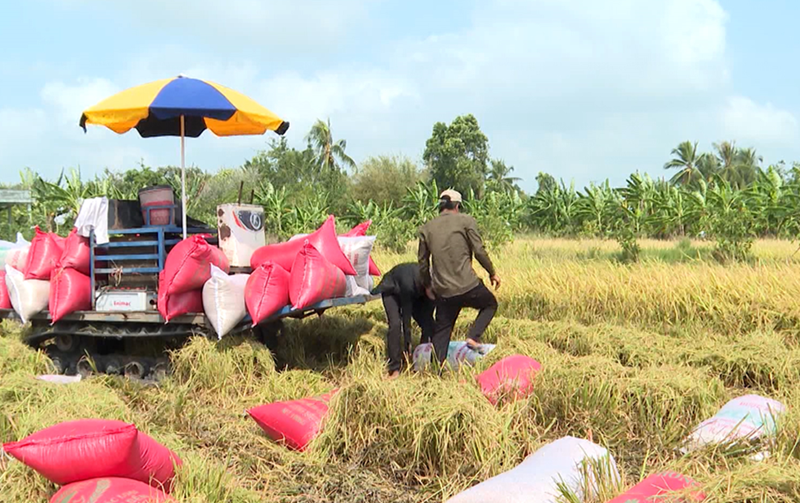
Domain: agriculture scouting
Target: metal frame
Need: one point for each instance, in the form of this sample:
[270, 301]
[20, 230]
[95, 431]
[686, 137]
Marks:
[163, 239]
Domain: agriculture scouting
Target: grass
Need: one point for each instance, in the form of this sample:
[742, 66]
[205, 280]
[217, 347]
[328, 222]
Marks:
[633, 356]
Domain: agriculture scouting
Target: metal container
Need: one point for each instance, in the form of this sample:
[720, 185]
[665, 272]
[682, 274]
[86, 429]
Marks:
[241, 232]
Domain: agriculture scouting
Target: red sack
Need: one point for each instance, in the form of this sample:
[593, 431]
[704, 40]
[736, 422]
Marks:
[361, 230]
[70, 291]
[295, 423]
[76, 253]
[323, 239]
[513, 375]
[173, 305]
[74, 451]
[5, 299]
[655, 487]
[110, 490]
[314, 279]
[188, 265]
[266, 292]
[44, 255]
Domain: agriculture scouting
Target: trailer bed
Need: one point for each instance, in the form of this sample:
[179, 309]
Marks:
[192, 319]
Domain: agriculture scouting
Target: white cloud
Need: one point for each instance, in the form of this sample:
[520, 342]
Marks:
[578, 88]
[69, 101]
[746, 120]
[245, 25]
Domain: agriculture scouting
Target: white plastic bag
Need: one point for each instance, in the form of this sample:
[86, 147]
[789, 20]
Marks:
[458, 353]
[536, 479]
[223, 300]
[15, 254]
[29, 297]
[748, 417]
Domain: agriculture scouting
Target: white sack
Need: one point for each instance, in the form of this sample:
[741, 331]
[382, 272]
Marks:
[223, 300]
[536, 479]
[352, 289]
[28, 296]
[15, 254]
[458, 353]
[748, 417]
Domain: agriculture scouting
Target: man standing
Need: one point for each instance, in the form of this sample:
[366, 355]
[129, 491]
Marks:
[446, 246]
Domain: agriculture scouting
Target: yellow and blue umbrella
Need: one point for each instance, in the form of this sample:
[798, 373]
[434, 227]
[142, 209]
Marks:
[183, 106]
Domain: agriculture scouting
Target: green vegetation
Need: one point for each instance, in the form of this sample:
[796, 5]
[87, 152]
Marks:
[634, 355]
[725, 196]
[649, 306]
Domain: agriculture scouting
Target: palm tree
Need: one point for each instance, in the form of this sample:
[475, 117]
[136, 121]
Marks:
[685, 159]
[328, 152]
[708, 166]
[499, 178]
[747, 166]
[727, 157]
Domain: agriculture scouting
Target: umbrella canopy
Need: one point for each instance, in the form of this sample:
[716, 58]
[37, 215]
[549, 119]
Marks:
[155, 109]
[183, 106]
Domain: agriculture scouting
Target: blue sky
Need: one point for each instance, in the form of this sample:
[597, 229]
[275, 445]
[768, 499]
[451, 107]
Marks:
[584, 90]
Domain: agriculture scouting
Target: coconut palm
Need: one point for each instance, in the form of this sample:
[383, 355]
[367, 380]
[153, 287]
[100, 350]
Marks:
[499, 178]
[685, 160]
[330, 154]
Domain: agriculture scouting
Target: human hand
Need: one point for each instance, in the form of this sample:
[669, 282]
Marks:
[429, 293]
[495, 281]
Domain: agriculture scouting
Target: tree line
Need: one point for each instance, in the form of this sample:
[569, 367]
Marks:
[723, 195]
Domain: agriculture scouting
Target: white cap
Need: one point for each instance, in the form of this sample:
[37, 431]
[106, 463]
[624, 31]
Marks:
[454, 196]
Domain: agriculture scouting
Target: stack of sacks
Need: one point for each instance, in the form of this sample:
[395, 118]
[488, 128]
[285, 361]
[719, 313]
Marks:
[70, 284]
[294, 423]
[458, 353]
[186, 271]
[323, 239]
[359, 231]
[28, 271]
[308, 269]
[101, 458]
[537, 478]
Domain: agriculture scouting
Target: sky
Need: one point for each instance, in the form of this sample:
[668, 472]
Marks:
[581, 89]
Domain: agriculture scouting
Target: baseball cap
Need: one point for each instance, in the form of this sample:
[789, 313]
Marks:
[454, 196]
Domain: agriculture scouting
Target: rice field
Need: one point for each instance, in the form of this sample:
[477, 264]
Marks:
[633, 357]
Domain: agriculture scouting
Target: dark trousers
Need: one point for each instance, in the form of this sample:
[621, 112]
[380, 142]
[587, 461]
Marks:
[398, 315]
[448, 309]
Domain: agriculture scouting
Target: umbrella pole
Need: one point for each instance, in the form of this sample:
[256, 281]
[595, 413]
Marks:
[183, 175]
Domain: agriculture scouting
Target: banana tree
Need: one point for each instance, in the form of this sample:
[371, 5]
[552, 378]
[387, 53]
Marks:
[596, 205]
[420, 202]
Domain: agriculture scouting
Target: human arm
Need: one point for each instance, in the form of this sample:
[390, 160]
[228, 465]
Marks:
[481, 255]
